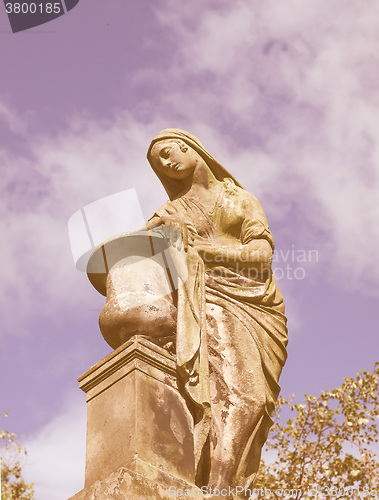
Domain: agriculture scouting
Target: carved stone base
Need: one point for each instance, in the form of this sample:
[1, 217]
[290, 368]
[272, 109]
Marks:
[139, 429]
[128, 485]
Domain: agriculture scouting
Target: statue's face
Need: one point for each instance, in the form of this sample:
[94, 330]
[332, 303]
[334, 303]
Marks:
[173, 159]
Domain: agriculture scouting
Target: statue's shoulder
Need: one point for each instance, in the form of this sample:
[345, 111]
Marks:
[248, 200]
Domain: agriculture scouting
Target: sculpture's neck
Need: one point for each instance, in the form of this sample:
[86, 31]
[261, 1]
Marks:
[201, 184]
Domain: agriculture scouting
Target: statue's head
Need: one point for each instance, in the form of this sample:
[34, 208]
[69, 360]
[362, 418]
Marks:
[174, 154]
[174, 159]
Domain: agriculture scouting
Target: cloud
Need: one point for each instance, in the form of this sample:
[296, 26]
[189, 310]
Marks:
[287, 102]
[286, 94]
[56, 454]
[12, 119]
[51, 178]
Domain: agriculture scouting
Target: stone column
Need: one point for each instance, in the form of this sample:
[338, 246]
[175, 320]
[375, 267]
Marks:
[139, 429]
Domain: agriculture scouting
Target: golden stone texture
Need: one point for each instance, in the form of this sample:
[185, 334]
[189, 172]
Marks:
[137, 280]
[139, 429]
[210, 299]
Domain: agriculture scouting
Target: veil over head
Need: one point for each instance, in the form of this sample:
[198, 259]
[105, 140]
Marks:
[173, 186]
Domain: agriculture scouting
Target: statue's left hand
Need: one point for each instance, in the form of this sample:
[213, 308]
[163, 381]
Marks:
[180, 228]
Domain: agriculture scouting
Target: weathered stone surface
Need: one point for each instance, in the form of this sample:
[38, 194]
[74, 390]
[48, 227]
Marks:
[231, 328]
[224, 319]
[137, 276]
[137, 421]
[139, 301]
[129, 485]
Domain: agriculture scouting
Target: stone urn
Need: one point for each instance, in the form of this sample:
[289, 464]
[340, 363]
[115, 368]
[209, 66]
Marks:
[137, 274]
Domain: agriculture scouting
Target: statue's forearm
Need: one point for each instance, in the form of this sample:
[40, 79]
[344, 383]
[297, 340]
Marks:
[257, 253]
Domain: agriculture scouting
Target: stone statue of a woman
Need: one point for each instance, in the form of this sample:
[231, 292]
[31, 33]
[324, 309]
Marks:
[231, 329]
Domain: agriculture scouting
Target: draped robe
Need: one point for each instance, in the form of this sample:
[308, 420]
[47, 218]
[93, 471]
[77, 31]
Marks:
[231, 337]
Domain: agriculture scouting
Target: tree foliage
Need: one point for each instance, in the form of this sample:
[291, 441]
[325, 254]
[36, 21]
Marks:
[13, 486]
[327, 446]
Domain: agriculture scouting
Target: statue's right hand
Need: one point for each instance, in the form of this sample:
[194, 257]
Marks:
[180, 228]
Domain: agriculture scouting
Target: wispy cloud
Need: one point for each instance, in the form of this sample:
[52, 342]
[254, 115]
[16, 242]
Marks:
[11, 118]
[289, 91]
[56, 454]
[51, 179]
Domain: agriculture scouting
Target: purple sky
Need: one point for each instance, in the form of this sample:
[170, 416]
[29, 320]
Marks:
[284, 94]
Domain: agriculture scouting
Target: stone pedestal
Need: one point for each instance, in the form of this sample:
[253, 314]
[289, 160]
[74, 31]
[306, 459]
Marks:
[139, 429]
